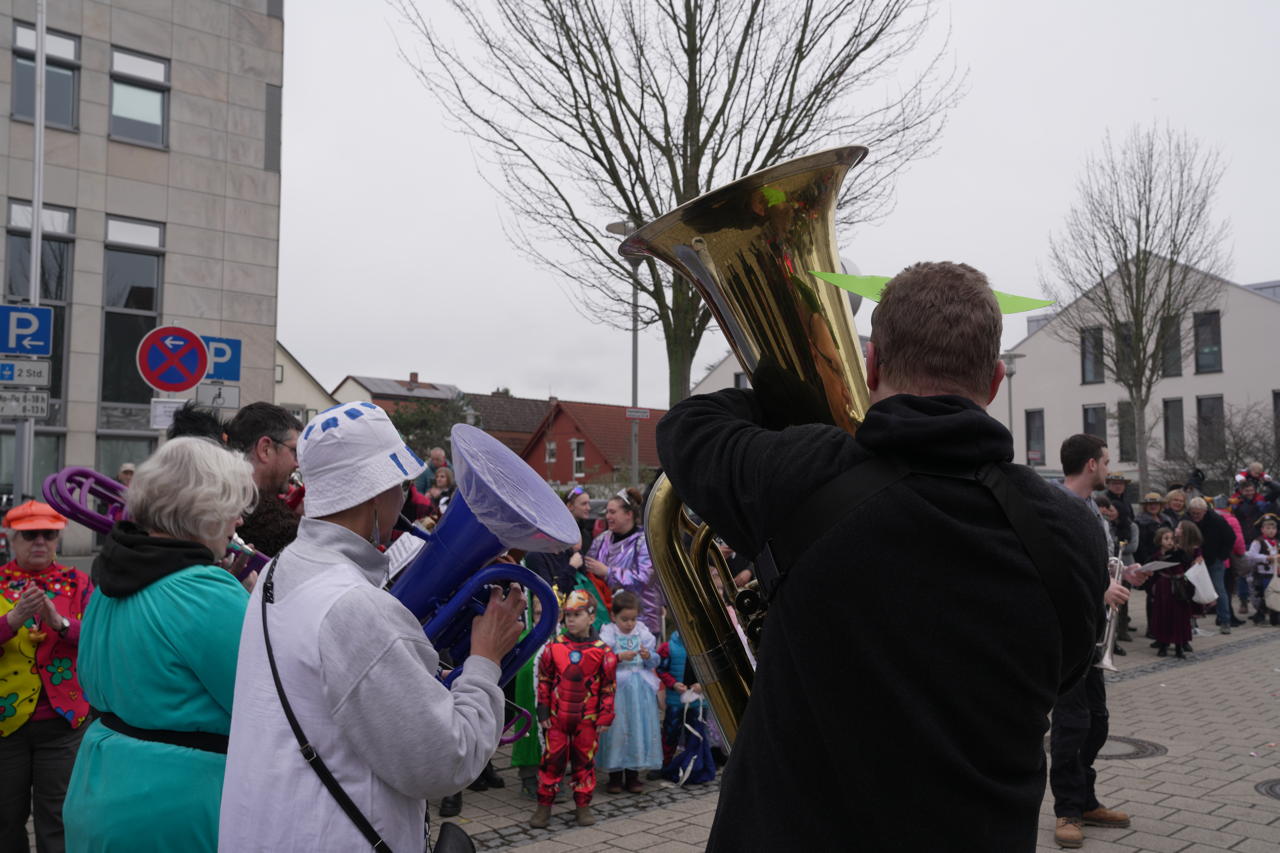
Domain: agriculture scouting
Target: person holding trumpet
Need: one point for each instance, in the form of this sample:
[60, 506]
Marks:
[1080, 719]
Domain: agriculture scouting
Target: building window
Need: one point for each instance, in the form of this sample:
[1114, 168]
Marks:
[139, 98]
[131, 276]
[579, 456]
[1091, 365]
[551, 451]
[1175, 446]
[271, 139]
[1170, 347]
[1208, 342]
[46, 459]
[1125, 360]
[1035, 436]
[1127, 431]
[1095, 421]
[1275, 420]
[1211, 428]
[61, 76]
[279, 373]
[55, 273]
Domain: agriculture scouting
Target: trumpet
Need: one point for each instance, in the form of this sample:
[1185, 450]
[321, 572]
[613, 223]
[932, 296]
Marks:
[1115, 569]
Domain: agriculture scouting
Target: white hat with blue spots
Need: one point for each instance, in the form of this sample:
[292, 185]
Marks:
[349, 454]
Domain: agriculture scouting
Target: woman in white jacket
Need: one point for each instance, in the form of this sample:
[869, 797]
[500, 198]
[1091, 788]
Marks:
[354, 665]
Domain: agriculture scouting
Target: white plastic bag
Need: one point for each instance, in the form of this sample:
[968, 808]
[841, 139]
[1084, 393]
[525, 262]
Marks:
[1198, 574]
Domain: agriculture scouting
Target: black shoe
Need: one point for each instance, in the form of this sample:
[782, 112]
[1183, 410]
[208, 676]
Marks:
[1236, 623]
[491, 778]
[478, 785]
[1119, 651]
[1162, 652]
[1186, 647]
[451, 806]
[1177, 653]
[1156, 644]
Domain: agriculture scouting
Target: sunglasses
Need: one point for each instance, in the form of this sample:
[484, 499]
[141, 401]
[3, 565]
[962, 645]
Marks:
[33, 535]
[574, 492]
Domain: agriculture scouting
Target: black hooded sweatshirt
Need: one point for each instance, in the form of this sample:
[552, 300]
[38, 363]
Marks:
[912, 655]
[131, 560]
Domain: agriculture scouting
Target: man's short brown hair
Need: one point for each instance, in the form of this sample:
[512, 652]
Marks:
[937, 328]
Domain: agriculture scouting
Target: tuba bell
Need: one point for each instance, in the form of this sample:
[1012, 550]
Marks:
[748, 248]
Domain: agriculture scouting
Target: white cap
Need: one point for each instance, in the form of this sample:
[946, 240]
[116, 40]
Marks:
[349, 454]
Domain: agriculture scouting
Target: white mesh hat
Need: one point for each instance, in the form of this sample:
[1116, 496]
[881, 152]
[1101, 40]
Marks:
[349, 454]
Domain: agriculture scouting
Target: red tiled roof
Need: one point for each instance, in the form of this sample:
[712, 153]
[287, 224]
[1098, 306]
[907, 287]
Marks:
[609, 430]
[503, 413]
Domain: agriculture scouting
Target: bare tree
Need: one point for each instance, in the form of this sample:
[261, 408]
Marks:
[1140, 253]
[1246, 434]
[601, 110]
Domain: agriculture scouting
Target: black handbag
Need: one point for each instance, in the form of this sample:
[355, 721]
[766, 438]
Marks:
[452, 839]
[1183, 589]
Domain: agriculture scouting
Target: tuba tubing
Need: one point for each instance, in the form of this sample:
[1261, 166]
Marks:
[748, 247]
[74, 491]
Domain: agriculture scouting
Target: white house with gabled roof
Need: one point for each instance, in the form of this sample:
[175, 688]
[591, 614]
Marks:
[1060, 388]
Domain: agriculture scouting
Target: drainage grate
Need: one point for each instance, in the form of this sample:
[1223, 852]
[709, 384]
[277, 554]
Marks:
[1137, 749]
[1270, 788]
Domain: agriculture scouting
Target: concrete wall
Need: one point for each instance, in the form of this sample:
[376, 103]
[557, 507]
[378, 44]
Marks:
[209, 186]
[296, 389]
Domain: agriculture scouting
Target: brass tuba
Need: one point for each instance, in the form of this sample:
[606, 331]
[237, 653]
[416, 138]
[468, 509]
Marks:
[749, 247]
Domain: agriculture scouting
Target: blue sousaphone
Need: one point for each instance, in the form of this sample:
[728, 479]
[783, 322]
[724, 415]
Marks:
[501, 504]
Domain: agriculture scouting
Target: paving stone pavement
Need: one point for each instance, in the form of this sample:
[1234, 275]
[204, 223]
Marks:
[1214, 717]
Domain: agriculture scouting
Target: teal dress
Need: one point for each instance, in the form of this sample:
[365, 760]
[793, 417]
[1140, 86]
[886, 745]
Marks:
[161, 658]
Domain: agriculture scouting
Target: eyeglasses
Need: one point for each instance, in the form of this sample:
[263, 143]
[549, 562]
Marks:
[33, 535]
[292, 448]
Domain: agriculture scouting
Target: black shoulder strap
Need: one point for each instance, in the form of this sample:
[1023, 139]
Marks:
[308, 751]
[841, 496]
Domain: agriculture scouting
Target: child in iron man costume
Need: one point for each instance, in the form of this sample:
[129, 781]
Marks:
[575, 706]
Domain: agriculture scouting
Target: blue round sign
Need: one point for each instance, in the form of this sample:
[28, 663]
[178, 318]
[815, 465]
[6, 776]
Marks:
[172, 358]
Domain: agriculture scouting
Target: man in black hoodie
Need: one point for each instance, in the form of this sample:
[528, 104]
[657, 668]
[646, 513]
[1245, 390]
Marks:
[872, 727]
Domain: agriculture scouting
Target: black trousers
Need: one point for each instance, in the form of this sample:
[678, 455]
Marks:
[35, 767]
[1077, 733]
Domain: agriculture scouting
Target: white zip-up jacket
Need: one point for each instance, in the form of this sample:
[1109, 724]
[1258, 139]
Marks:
[361, 679]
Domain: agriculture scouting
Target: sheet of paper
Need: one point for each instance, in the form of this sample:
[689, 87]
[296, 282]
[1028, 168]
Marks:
[1157, 565]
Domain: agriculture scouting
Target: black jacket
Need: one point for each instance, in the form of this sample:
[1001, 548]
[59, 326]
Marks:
[911, 658]
[1219, 538]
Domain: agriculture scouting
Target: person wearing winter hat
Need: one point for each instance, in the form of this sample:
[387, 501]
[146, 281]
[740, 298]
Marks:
[353, 666]
[42, 709]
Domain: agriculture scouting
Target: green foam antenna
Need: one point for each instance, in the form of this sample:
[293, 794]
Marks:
[871, 286]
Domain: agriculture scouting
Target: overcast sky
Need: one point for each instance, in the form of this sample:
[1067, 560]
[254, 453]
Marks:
[393, 259]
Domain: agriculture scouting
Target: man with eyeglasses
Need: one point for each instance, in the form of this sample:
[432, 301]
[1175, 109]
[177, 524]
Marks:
[267, 435]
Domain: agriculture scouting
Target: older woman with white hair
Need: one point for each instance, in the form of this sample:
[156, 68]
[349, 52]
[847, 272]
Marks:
[158, 657]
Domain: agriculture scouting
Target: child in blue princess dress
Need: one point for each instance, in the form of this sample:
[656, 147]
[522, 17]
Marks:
[633, 743]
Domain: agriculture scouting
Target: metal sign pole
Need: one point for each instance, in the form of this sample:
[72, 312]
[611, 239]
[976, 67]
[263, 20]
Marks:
[24, 465]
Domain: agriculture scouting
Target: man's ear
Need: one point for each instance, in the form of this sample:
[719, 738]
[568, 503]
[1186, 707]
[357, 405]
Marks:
[261, 448]
[873, 367]
[996, 378]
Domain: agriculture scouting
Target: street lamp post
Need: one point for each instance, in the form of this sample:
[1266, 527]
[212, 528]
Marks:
[622, 229]
[1010, 360]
